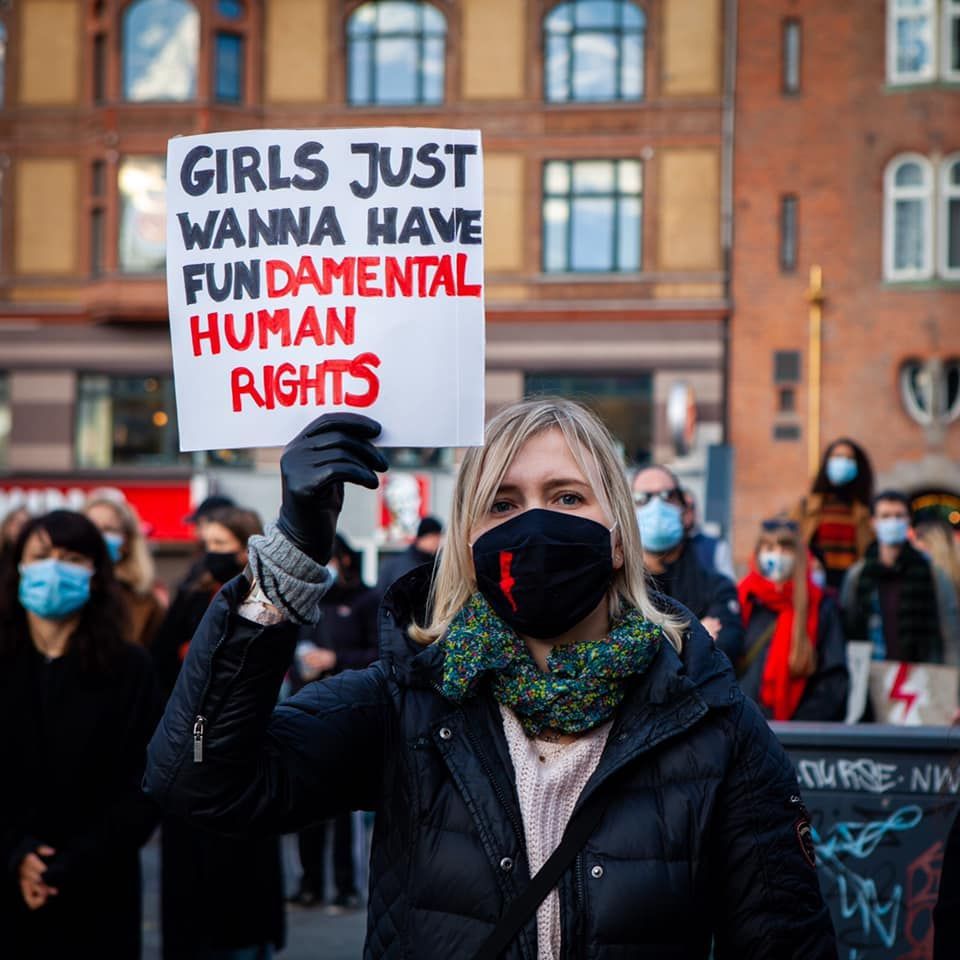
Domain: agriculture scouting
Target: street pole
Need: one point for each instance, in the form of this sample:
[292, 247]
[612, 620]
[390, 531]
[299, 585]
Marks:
[815, 297]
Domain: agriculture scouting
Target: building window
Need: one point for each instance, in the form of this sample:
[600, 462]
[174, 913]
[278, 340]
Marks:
[786, 366]
[3, 63]
[229, 51]
[396, 53]
[923, 41]
[161, 47]
[788, 233]
[592, 216]
[143, 208]
[950, 218]
[594, 51]
[908, 188]
[132, 421]
[623, 401]
[790, 51]
[786, 431]
[6, 420]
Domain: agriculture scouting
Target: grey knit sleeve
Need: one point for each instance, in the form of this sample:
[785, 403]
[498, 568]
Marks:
[292, 581]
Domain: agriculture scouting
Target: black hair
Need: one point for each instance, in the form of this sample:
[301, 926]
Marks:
[101, 629]
[673, 477]
[891, 496]
[860, 488]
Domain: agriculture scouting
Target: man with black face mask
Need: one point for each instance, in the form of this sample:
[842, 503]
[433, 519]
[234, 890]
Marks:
[709, 595]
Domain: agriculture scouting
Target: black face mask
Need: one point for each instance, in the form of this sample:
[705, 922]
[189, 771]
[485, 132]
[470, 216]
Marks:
[544, 571]
[223, 566]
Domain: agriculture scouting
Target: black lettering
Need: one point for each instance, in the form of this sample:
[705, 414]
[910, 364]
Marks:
[298, 229]
[470, 226]
[192, 283]
[460, 153]
[390, 178]
[193, 234]
[246, 166]
[196, 182]
[277, 182]
[260, 229]
[447, 229]
[385, 229]
[416, 226]
[359, 190]
[229, 229]
[223, 180]
[246, 279]
[306, 158]
[425, 155]
[327, 226]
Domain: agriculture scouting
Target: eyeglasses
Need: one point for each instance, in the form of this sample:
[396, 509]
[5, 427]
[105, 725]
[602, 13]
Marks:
[641, 498]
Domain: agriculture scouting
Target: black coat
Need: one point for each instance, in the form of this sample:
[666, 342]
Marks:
[825, 695]
[216, 892]
[700, 838]
[72, 751]
[705, 593]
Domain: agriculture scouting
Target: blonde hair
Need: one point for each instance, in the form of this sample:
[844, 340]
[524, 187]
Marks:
[479, 479]
[136, 570]
[938, 537]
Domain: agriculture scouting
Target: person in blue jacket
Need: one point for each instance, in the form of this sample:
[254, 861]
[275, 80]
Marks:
[533, 674]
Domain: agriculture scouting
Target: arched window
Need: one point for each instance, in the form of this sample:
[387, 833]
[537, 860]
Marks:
[229, 51]
[907, 233]
[396, 53]
[161, 47]
[950, 218]
[594, 51]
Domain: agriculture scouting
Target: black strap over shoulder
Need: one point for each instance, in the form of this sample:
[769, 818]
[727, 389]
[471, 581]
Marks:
[577, 833]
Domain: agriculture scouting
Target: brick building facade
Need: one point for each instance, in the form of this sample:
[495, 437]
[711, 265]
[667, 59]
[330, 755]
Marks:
[847, 156]
[626, 94]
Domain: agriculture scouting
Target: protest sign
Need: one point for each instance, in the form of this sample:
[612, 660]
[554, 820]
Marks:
[317, 271]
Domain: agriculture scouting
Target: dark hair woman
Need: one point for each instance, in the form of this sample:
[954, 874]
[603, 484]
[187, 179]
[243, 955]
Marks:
[537, 721]
[77, 706]
[219, 894]
[834, 518]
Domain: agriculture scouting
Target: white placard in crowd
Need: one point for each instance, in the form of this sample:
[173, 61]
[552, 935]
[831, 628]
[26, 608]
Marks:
[316, 271]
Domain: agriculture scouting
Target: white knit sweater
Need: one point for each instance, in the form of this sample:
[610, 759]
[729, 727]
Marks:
[550, 778]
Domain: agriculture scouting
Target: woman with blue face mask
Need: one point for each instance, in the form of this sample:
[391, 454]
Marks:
[834, 518]
[133, 564]
[794, 670]
[77, 706]
[561, 763]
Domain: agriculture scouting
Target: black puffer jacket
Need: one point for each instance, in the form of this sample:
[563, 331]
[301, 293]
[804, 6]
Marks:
[700, 838]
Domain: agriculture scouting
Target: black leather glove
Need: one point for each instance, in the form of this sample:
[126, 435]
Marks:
[334, 449]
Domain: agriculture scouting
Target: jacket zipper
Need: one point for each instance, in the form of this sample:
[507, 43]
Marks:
[198, 738]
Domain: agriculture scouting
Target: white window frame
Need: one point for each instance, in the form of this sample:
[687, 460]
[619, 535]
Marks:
[894, 14]
[950, 11]
[946, 192]
[891, 194]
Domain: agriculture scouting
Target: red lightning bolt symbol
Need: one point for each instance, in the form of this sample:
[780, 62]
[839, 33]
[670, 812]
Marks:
[896, 693]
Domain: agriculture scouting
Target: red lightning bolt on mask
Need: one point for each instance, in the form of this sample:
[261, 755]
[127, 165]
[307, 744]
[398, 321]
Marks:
[506, 578]
[901, 695]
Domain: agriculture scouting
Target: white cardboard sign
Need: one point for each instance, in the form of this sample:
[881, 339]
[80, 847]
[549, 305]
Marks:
[316, 271]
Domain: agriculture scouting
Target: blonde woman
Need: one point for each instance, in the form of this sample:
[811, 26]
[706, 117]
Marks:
[133, 564]
[532, 686]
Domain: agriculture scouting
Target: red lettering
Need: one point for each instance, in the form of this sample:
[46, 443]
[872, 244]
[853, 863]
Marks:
[230, 331]
[212, 333]
[314, 383]
[338, 368]
[395, 279]
[465, 289]
[307, 273]
[443, 278]
[274, 267]
[309, 327]
[344, 329]
[342, 271]
[366, 275]
[287, 389]
[422, 263]
[241, 382]
[360, 368]
[270, 400]
[276, 322]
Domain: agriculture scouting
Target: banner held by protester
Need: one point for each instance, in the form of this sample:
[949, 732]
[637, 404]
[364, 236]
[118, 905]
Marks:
[326, 270]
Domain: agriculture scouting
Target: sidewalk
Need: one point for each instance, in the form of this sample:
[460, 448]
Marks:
[311, 935]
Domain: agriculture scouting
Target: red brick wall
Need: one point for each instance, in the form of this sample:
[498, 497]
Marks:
[829, 146]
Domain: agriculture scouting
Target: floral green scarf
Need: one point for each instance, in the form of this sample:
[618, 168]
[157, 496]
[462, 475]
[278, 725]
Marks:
[586, 681]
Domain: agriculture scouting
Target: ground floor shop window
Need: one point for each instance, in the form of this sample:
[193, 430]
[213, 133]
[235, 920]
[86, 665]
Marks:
[4, 419]
[132, 421]
[623, 401]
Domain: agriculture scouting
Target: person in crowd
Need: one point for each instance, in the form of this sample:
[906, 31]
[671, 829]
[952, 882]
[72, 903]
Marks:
[834, 518]
[532, 675]
[672, 561]
[10, 527]
[221, 897]
[198, 520]
[894, 598]
[935, 538]
[423, 550]
[795, 670]
[344, 638]
[132, 564]
[713, 553]
[77, 706]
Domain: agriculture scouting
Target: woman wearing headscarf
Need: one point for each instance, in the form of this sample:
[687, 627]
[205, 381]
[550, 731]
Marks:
[77, 706]
[560, 764]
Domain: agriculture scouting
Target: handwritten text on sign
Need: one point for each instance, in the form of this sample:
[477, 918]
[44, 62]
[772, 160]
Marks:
[311, 271]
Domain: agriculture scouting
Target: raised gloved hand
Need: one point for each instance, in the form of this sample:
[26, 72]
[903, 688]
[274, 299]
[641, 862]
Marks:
[332, 450]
